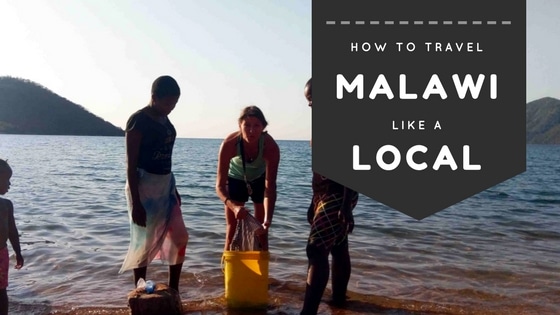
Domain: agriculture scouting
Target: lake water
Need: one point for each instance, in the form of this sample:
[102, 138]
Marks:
[497, 252]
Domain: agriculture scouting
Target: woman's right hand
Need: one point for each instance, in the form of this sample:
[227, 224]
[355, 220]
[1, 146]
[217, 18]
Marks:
[139, 215]
[240, 212]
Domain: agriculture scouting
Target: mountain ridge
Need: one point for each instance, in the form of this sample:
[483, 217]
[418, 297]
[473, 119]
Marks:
[27, 107]
[543, 121]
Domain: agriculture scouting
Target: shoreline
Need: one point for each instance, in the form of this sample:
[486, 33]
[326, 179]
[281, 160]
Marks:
[282, 304]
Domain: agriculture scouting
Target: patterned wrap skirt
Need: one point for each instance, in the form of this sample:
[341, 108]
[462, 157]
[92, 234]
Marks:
[165, 236]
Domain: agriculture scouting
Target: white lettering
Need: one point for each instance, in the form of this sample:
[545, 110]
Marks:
[410, 154]
[396, 157]
[434, 87]
[445, 158]
[402, 90]
[493, 86]
[381, 86]
[467, 159]
[356, 160]
[468, 85]
[357, 83]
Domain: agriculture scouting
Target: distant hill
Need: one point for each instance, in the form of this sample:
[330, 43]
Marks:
[29, 108]
[543, 121]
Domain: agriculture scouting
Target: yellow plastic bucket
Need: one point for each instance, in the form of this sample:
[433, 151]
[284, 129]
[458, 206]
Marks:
[246, 278]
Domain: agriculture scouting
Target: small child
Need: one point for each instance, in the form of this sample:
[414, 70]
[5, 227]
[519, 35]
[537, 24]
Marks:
[9, 231]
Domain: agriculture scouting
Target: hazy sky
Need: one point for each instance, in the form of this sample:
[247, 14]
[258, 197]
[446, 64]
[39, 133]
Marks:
[104, 55]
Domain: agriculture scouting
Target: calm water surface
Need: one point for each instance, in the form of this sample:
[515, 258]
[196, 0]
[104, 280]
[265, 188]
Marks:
[494, 253]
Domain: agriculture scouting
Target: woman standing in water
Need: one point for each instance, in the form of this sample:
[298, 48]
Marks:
[157, 229]
[247, 167]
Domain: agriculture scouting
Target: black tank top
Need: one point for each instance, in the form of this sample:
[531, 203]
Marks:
[157, 142]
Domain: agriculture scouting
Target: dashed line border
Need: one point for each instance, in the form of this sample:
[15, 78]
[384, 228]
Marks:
[462, 22]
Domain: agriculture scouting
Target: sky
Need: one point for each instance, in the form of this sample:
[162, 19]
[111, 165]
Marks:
[225, 55]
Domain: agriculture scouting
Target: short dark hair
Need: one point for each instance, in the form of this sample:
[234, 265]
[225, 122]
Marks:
[308, 84]
[253, 111]
[4, 166]
[165, 86]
